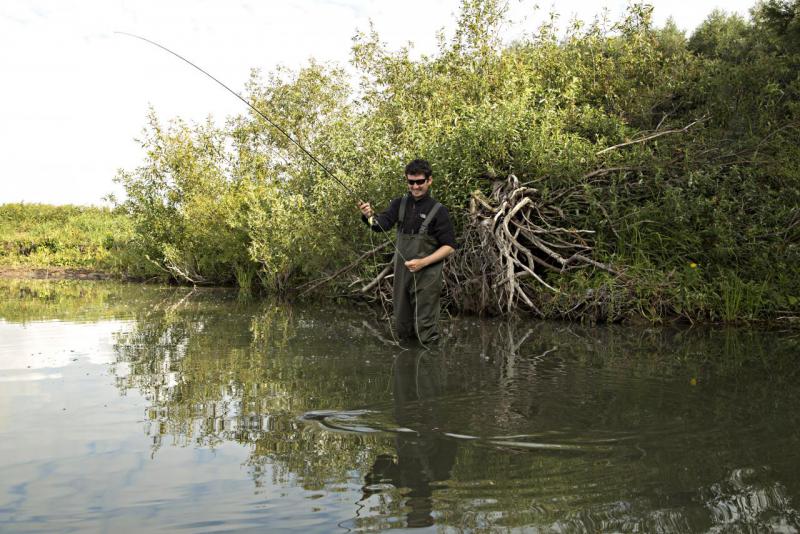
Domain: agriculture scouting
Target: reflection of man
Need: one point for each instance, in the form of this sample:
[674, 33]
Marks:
[425, 456]
[424, 238]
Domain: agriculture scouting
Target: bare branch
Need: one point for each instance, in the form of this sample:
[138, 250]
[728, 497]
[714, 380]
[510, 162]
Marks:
[650, 137]
[344, 269]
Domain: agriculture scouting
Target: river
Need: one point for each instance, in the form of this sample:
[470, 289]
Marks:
[130, 407]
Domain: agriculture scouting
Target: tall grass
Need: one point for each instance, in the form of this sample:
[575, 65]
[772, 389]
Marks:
[40, 235]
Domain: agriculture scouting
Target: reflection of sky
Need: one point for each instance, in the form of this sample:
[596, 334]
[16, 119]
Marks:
[75, 455]
[55, 344]
[83, 449]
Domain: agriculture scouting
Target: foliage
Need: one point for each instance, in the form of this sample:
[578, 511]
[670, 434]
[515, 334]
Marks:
[215, 205]
[65, 236]
[680, 154]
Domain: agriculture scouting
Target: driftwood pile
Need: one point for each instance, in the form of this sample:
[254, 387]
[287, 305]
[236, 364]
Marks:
[511, 240]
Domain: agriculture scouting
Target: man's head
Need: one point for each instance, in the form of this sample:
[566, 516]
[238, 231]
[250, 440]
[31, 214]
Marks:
[419, 177]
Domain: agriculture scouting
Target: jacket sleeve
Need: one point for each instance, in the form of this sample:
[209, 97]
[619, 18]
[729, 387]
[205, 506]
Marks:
[442, 228]
[385, 220]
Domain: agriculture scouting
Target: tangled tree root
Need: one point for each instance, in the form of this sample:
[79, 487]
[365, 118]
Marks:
[511, 240]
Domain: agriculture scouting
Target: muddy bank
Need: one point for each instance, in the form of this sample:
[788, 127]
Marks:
[52, 273]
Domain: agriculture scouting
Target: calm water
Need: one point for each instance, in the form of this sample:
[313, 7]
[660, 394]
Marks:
[130, 408]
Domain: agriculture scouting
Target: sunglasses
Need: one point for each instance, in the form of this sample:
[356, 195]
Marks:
[417, 182]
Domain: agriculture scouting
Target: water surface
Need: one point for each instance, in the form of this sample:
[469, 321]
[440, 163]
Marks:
[126, 407]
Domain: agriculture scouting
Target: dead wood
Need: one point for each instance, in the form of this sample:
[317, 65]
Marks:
[311, 286]
[512, 238]
[650, 137]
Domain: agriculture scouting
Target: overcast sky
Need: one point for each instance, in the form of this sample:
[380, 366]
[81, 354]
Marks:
[74, 95]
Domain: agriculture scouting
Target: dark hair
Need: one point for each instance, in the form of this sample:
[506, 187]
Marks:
[419, 166]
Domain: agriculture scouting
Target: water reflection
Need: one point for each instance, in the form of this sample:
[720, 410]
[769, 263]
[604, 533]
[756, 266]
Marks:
[748, 500]
[423, 455]
[506, 425]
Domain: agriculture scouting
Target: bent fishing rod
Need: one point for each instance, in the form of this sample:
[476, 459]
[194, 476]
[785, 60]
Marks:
[251, 106]
[372, 219]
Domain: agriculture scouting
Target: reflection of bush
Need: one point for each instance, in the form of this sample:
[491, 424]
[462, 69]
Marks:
[44, 300]
[649, 385]
[213, 377]
[749, 501]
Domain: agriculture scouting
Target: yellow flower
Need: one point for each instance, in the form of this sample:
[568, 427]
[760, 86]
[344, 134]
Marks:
[693, 265]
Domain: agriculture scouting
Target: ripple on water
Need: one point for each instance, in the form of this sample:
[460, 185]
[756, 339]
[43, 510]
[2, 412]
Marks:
[522, 425]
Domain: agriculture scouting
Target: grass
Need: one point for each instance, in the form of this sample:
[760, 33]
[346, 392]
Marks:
[41, 235]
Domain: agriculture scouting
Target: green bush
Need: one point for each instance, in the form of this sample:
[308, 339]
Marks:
[684, 150]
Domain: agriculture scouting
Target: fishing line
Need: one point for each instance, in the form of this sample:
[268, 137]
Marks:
[263, 116]
[301, 147]
[251, 106]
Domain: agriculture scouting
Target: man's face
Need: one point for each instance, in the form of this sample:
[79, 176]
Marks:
[418, 184]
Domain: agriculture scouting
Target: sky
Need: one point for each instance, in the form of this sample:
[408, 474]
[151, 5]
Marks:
[74, 95]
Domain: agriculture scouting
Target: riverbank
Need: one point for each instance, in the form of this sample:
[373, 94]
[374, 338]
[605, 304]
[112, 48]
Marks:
[52, 273]
[41, 241]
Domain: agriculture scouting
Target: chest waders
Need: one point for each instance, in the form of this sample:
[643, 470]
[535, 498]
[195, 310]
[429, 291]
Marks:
[416, 295]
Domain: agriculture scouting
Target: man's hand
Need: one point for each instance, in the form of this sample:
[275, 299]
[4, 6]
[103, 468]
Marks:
[419, 264]
[416, 265]
[366, 209]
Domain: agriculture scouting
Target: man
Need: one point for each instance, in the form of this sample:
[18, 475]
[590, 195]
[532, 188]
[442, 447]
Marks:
[424, 238]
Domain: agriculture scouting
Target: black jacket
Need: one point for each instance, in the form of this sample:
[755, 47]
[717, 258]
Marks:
[440, 228]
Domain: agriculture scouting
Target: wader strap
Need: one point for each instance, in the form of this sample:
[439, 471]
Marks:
[424, 228]
[402, 214]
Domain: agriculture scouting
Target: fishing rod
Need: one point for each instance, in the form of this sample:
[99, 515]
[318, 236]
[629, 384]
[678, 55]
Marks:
[251, 106]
